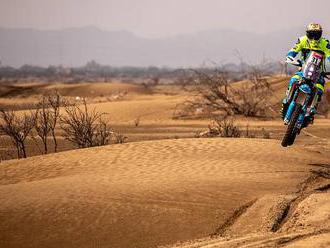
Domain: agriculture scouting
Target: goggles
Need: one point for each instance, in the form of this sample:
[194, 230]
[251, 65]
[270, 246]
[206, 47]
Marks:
[314, 35]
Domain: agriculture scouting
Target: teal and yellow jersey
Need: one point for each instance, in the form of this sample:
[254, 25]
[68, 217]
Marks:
[304, 46]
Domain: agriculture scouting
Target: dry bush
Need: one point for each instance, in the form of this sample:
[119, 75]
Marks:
[47, 115]
[227, 128]
[119, 138]
[85, 128]
[214, 93]
[102, 133]
[222, 127]
[43, 123]
[54, 103]
[17, 127]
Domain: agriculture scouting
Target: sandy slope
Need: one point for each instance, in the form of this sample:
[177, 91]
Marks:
[26, 95]
[141, 194]
[157, 193]
[68, 89]
[307, 226]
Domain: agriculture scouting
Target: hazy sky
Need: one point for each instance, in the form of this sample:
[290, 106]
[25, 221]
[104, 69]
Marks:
[158, 18]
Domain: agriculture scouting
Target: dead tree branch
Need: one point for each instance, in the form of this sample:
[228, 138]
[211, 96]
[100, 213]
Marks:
[85, 128]
[214, 92]
[17, 127]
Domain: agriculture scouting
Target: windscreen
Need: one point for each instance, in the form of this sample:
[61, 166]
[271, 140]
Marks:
[313, 66]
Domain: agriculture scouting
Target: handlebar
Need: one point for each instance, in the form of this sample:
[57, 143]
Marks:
[299, 63]
[294, 62]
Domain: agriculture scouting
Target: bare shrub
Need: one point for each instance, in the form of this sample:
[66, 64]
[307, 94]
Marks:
[227, 128]
[222, 127]
[17, 127]
[85, 128]
[102, 133]
[43, 123]
[54, 103]
[119, 138]
[214, 92]
[47, 115]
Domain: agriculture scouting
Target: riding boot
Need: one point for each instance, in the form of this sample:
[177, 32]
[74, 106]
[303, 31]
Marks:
[310, 118]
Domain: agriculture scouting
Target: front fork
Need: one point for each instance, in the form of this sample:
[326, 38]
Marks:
[290, 92]
[304, 100]
[289, 112]
[288, 100]
[314, 102]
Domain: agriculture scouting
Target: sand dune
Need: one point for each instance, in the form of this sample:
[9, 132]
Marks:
[26, 95]
[222, 192]
[141, 194]
[68, 89]
[307, 227]
[95, 89]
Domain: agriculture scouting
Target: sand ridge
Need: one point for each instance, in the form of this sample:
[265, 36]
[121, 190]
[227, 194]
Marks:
[141, 194]
[153, 193]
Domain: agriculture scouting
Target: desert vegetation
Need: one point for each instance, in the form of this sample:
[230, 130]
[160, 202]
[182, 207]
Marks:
[143, 124]
[80, 125]
[207, 166]
[215, 93]
[221, 127]
[47, 115]
[17, 128]
[160, 103]
[85, 128]
[205, 102]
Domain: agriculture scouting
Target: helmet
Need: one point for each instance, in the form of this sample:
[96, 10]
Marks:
[314, 31]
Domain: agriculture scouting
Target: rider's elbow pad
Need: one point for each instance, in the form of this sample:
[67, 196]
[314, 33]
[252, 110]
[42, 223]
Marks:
[292, 54]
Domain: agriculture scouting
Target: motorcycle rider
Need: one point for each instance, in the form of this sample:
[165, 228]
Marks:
[312, 41]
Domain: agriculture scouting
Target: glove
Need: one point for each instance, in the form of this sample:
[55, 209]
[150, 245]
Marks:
[289, 59]
[292, 61]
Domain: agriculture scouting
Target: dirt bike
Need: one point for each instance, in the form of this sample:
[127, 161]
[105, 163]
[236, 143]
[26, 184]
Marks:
[302, 96]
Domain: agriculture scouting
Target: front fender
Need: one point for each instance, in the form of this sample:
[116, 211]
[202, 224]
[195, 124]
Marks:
[305, 88]
[301, 97]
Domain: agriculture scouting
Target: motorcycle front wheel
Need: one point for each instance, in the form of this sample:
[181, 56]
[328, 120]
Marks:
[291, 132]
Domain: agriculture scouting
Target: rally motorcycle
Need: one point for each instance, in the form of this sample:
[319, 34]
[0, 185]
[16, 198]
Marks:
[302, 96]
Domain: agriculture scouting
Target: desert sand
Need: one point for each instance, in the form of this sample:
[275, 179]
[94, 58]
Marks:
[146, 194]
[167, 188]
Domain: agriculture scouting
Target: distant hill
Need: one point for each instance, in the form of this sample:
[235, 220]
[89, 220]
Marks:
[76, 46]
